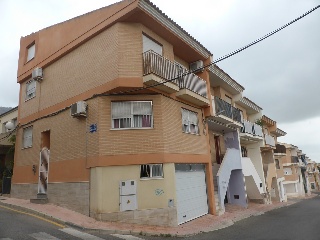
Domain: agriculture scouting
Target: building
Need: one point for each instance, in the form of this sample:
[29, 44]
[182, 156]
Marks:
[8, 121]
[108, 148]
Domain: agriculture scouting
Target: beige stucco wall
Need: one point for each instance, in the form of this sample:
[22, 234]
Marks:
[104, 189]
[6, 118]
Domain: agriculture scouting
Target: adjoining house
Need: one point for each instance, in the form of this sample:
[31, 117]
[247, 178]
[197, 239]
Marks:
[274, 178]
[292, 168]
[8, 121]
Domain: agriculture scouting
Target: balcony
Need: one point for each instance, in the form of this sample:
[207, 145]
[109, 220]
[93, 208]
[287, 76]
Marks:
[226, 113]
[250, 132]
[165, 75]
[269, 140]
[280, 150]
[294, 159]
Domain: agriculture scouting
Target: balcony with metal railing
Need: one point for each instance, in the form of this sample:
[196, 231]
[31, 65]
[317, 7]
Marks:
[250, 132]
[269, 140]
[226, 113]
[170, 77]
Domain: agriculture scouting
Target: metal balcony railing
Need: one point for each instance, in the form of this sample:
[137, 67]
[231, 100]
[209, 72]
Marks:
[269, 140]
[247, 127]
[167, 70]
[251, 128]
[257, 129]
[226, 109]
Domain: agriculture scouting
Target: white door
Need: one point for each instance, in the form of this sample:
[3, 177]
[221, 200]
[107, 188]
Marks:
[192, 200]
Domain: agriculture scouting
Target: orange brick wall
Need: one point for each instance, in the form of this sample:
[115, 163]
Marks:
[88, 66]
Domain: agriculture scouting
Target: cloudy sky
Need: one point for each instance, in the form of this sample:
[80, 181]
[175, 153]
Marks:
[280, 74]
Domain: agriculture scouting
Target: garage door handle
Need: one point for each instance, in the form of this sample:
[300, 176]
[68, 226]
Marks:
[184, 216]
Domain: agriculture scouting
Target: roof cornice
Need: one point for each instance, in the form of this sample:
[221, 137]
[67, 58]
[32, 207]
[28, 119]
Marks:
[154, 11]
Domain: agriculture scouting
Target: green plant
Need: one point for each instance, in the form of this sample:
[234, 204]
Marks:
[259, 122]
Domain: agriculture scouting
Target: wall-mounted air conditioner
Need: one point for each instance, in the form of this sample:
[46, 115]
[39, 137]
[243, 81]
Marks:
[196, 65]
[37, 74]
[79, 109]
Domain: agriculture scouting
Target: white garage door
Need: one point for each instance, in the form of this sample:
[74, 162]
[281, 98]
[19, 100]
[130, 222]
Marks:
[192, 201]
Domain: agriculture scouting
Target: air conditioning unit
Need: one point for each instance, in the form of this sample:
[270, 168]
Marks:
[37, 74]
[196, 65]
[79, 109]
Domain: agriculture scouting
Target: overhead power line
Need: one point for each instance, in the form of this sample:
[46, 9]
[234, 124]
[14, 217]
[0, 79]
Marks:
[189, 72]
[218, 60]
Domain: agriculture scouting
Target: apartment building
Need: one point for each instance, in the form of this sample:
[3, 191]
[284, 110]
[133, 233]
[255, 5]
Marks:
[98, 135]
[113, 125]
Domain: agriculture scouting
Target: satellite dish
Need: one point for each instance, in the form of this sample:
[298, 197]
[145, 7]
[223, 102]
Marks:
[9, 126]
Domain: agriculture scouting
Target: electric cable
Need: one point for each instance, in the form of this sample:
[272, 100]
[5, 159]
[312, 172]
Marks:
[187, 72]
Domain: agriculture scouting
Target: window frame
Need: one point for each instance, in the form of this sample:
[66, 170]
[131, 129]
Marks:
[24, 146]
[31, 81]
[132, 116]
[32, 47]
[151, 173]
[196, 127]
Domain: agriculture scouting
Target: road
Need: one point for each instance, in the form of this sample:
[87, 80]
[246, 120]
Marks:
[16, 225]
[297, 221]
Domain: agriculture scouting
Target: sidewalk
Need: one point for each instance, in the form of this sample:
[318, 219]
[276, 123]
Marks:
[206, 223]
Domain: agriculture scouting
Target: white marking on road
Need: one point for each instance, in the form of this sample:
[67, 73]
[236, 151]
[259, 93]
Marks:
[126, 237]
[43, 236]
[81, 235]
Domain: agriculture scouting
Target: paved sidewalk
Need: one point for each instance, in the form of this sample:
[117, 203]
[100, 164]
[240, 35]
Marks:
[206, 223]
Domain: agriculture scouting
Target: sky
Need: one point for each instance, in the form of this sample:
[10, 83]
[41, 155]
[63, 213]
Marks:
[280, 74]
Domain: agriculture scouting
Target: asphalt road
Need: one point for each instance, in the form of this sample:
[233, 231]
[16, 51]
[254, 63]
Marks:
[15, 225]
[299, 221]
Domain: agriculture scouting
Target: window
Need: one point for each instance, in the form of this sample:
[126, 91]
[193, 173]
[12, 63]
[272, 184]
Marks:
[131, 114]
[244, 151]
[31, 52]
[228, 99]
[30, 89]
[27, 137]
[277, 163]
[149, 44]
[151, 171]
[189, 122]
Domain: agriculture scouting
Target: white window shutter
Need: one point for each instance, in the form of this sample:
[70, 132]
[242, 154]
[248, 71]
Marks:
[31, 52]
[149, 44]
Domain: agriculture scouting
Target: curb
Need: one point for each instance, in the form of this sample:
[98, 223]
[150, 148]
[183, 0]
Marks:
[222, 223]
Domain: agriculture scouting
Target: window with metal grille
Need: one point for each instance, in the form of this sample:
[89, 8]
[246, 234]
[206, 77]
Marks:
[189, 121]
[132, 114]
[27, 137]
[151, 171]
[30, 89]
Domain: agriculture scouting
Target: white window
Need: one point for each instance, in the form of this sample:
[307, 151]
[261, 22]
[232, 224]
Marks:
[30, 89]
[31, 52]
[132, 114]
[151, 171]
[27, 137]
[189, 122]
[149, 44]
